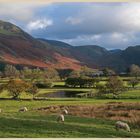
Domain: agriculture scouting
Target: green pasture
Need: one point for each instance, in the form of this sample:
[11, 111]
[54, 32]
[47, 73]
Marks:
[37, 124]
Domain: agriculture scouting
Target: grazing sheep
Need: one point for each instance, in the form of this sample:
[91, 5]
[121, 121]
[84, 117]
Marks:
[64, 111]
[60, 118]
[122, 125]
[23, 109]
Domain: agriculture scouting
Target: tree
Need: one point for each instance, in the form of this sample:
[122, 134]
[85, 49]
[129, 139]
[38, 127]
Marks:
[1, 74]
[32, 89]
[80, 82]
[108, 72]
[64, 73]
[134, 70]
[26, 73]
[51, 74]
[133, 82]
[32, 74]
[114, 85]
[74, 74]
[15, 87]
[11, 71]
[36, 74]
[44, 84]
[102, 89]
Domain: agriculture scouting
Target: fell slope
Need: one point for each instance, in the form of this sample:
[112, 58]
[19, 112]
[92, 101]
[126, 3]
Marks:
[18, 47]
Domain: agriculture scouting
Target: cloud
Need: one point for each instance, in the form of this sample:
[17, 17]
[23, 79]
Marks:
[39, 24]
[16, 12]
[111, 25]
[73, 20]
[107, 40]
[93, 18]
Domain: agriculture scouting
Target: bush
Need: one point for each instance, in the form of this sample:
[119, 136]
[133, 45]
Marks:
[44, 84]
[80, 82]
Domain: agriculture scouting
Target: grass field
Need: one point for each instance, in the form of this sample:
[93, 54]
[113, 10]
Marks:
[39, 124]
[33, 125]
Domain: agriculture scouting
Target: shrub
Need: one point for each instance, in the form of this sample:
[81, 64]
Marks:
[80, 82]
[44, 84]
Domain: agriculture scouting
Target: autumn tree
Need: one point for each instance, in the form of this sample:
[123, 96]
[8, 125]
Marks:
[15, 87]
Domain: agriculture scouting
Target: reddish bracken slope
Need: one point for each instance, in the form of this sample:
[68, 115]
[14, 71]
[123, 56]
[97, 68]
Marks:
[17, 47]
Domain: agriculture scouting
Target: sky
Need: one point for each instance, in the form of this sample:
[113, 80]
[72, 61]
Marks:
[110, 25]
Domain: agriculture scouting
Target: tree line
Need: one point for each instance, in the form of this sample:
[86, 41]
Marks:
[62, 74]
[30, 80]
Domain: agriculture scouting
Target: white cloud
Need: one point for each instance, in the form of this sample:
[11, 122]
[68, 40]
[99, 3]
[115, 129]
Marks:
[39, 24]
[73, 20]
[107, 40]
[19, 12]
[107, 24]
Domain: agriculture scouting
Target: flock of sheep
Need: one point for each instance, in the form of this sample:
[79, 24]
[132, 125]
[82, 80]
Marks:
[60, 118]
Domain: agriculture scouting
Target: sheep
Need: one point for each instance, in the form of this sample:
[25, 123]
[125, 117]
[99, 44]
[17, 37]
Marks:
[122, 125]
[60, 118]
[64, 111]
[23, 109]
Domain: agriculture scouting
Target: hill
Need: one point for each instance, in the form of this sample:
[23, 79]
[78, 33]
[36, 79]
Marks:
[18, 47]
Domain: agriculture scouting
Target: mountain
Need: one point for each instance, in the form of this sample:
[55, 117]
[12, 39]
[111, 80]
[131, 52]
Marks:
[56, 43]
[115, 50]
[98, 57]
[19, 48]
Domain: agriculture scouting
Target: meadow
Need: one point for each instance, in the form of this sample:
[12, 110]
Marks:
[39, 124]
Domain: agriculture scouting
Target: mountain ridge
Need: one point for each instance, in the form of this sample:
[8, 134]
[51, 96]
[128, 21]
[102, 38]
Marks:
[18, 47]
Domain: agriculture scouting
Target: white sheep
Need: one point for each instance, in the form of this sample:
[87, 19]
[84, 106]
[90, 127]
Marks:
[60, 118]
[64, 111]
[23, 109]
[122, 125]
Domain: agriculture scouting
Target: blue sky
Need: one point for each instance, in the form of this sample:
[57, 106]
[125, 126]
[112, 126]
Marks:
[110, 25]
